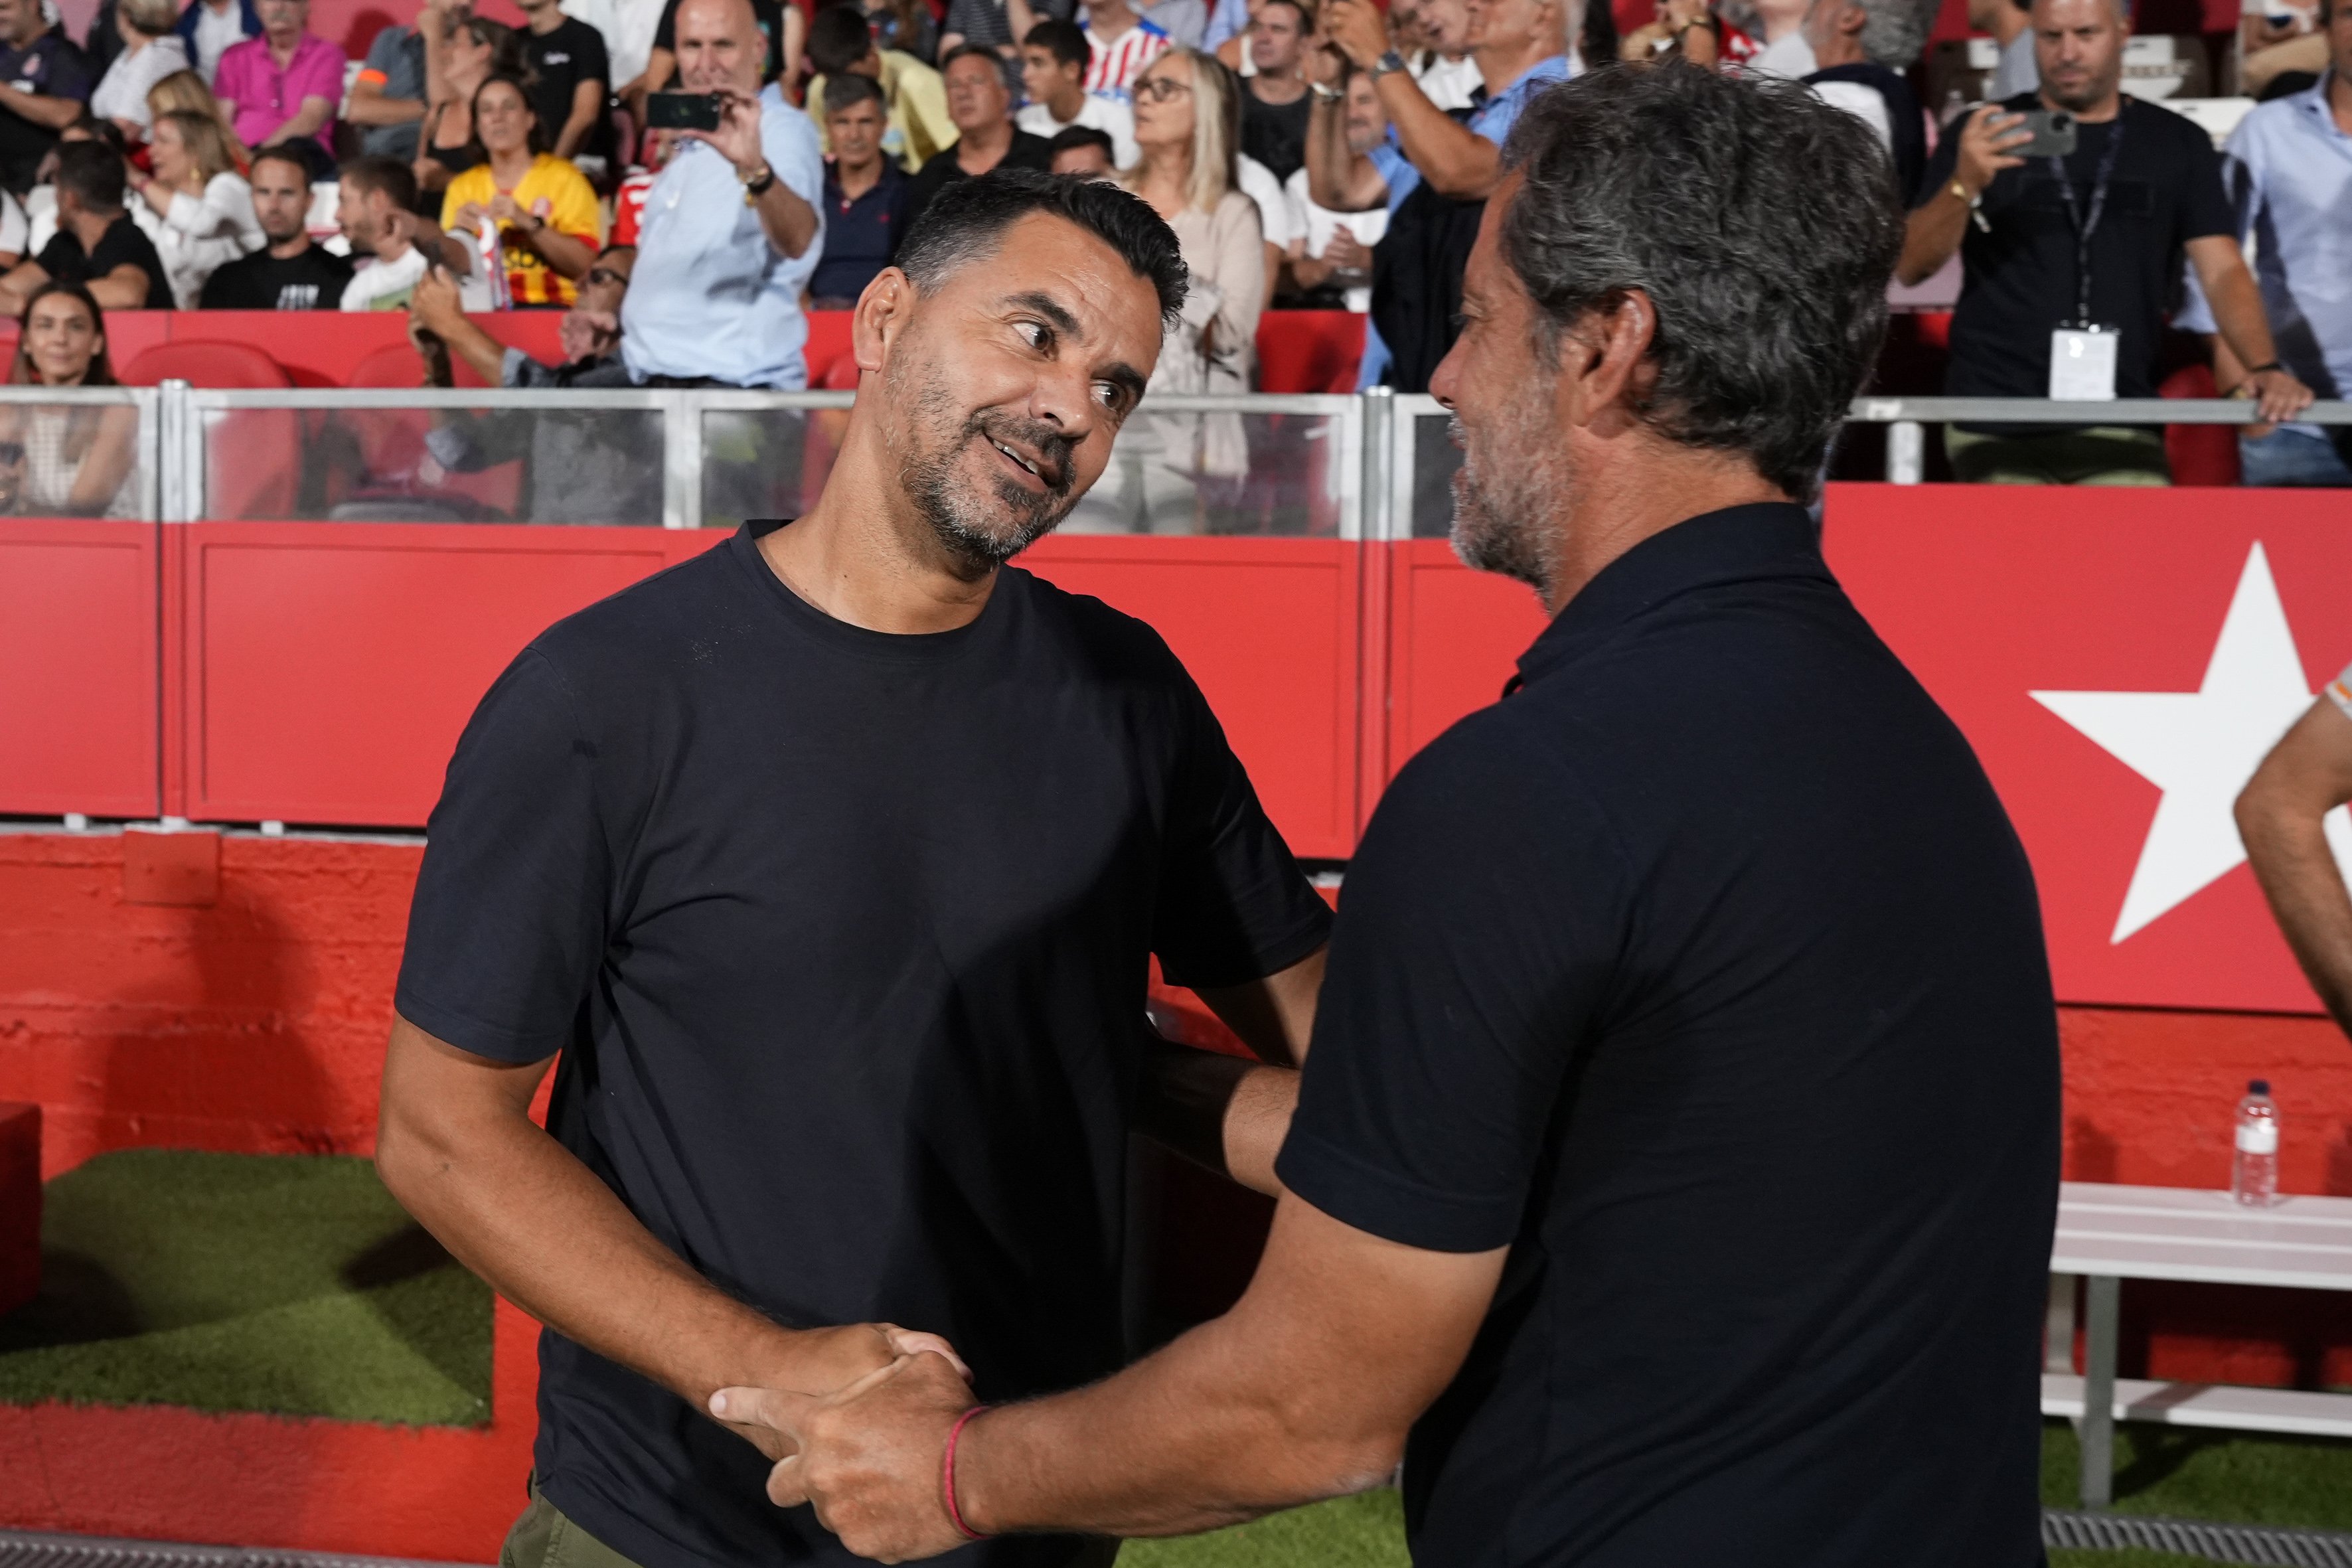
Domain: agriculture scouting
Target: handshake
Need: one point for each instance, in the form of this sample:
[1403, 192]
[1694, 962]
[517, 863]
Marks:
[873, 1455]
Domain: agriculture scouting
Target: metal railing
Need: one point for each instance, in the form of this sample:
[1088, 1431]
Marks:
[1374, 466]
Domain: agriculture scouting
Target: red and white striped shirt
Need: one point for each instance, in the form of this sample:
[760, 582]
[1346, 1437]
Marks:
[1112, 67]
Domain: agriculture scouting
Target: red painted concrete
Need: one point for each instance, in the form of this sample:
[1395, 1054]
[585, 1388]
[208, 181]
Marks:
[257, 1023]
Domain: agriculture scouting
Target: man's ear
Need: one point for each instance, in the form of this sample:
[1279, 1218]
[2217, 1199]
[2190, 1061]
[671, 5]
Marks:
[880, 315]
[1605, 367]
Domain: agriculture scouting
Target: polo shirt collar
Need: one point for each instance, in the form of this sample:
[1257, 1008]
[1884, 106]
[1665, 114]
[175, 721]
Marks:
[1739, 543]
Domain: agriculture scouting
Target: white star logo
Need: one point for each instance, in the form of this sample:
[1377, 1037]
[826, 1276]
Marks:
[2200, 747]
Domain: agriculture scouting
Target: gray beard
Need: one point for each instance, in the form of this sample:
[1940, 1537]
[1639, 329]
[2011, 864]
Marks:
[1500, 519]
[965, 523]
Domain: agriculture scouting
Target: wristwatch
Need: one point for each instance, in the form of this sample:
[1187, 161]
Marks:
[756, 185]
[1324, 92]
[1388, 61]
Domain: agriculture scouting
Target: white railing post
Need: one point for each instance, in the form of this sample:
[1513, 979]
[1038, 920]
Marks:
[1906, 452]
[681, 460]
[1376, 430]
[179, 452]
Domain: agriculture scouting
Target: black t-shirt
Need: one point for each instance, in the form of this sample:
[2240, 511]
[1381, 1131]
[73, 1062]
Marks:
[769, 13]
[1704, 972]
[313, 280]
[2020, 277]
[560, 60]
[1906, 129]
[1027, 152]
[50, 67]
[63, 257]
[1276, 134]
[843, 939]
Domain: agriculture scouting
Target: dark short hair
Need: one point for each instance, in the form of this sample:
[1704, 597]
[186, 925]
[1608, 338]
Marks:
[1767, 266]
[282, 152]
[1066, 41]
[1070, 136]
[1007, 74]
[965, 221]
[92, 170]
[838, 38]
[395, 179]
[847, 90]
[1304, 9]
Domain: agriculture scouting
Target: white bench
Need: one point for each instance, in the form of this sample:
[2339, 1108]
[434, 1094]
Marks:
[2109, 1234]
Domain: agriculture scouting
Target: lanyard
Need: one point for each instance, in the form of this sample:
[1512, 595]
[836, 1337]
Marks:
[2086, 226]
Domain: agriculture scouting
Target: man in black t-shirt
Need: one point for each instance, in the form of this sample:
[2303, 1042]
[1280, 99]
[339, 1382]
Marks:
[44, 83]
[1275, 102]
[1678, 1157]
[96, 244]
[2138, 205]
[986, 139]
[570, 78]
[290, 273]
[834, 862]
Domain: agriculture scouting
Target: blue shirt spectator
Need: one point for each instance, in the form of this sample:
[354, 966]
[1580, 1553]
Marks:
[2289, 172]
[711, 300]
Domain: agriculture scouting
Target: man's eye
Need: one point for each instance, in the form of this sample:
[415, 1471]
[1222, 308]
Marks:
[1033, 335]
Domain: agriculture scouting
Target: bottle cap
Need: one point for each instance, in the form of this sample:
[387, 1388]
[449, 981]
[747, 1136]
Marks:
[2259, 1086]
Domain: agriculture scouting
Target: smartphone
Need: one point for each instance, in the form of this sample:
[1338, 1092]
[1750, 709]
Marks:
[2053, 134]
[689, 111]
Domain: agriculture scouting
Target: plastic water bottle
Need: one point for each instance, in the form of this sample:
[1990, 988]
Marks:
[2253, 1175]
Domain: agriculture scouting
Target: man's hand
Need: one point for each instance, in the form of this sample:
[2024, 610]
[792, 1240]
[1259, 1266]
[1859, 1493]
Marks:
[737, 136]
[433, 306]
[870, 1456]
[587, 334]
[824, 1361]
[2279, 393]
[1355, 30]
[1985, 142]
[1346, 254]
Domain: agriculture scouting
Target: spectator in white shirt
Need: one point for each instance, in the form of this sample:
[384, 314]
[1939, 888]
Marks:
[150, 51]
[1329, 261]
[375, 203]
[1053, 60]
[205, 204]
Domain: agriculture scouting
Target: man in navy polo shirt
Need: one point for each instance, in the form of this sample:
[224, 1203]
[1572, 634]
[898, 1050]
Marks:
[44, 82]
[866, 193]
[1672, 1178]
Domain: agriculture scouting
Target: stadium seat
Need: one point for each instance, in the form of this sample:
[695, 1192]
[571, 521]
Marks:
[395, 477]
[2200, 454]
[201, 363]
[1309, 350]
[253, 456]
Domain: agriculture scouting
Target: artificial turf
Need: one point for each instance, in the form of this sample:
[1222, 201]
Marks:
[289, 1284]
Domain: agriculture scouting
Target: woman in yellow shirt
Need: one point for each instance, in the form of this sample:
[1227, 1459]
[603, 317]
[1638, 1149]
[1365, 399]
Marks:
[550, 225]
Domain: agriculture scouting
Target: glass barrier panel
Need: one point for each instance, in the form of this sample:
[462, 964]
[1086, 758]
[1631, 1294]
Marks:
[574, 466]
[766, 462]
[1436, 459]
[1225, 472]
[77, 459]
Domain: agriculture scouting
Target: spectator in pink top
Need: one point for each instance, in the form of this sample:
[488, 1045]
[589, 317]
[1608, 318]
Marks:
[282, 87]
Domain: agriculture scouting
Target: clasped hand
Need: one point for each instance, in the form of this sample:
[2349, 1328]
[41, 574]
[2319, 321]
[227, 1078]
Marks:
[868, 1456]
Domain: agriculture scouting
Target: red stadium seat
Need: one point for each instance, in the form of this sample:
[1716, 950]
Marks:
[1309, 350]
[260, 482]
[2200, 454]
[397, 479]
[207, 364]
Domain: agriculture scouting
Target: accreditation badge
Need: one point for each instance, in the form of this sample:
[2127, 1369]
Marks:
[2083, 365]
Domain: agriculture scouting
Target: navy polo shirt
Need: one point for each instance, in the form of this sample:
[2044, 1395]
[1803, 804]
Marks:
[1705, 974]
[861, 236]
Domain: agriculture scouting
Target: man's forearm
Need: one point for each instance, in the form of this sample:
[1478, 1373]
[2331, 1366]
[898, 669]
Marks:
[306, 121]
[1328, 157]
[1930, 236]
[1457, 162]
[2237, 305]
[375, 109]
[1223, 1112]
[2299, 877]
[56, 113]
[789, 222]
[476, 347]
[518, 1209]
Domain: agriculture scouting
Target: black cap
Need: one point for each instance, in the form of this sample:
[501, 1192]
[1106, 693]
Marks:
[2260, 1086]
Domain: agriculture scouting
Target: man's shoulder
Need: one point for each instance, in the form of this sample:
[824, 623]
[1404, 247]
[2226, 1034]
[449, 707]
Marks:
[2169, 128]
[1117, 645]
[2276, 121]
[614, 637]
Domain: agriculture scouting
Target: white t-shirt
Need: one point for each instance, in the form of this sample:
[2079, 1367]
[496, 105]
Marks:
[1864, 102]
[1275, 219]
[15, 229]
[1107, 115]
[628, 27]
[385, 285]
[121, 93]
[1449, 84]
[1320, 224]
[215, 31]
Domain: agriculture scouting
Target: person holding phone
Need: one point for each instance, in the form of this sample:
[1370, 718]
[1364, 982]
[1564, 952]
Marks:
[2073, 256]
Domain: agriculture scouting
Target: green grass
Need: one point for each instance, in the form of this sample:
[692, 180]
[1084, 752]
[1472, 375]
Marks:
[293, 1285]
[2192, 1474]
[1365, 1532]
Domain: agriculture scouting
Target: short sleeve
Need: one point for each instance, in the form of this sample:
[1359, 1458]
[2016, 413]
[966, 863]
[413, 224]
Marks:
[2339, 692]
[595, 62]
[69, 75]
[666, 30]
[382, 56]
[2204, 203]
[1475, 949]
[1233, 905]
[508, 925]
[573, 209]
[453, 198]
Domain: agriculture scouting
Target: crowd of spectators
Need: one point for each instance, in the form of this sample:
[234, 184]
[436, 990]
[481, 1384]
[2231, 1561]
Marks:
[1317, 153]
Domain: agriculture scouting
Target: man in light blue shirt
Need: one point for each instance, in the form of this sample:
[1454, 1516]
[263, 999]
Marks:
[733, 228]
[2290, 174]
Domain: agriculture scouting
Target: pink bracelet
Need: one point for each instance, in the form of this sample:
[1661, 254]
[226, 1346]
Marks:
[947, 1476]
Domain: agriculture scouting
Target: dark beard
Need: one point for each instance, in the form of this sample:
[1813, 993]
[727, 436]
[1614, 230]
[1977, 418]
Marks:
[944, 504]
